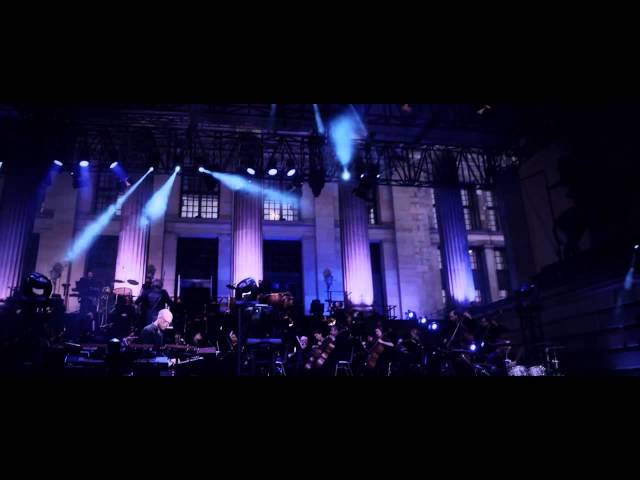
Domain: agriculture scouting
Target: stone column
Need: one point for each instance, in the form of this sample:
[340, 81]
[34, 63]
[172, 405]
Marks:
[133, 241]
[454, 245]
[19, 205]
[356, 254]
[246, 236]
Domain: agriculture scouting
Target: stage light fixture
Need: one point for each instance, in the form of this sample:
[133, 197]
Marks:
[177, 169]
[113, 165]
[433, 326]
[272, 169]
[251, 171]
[423, 320]
[1, 163]
[411, 315]
[473, 347]
[346, 176]
[151, 169]
[291, 168]
[57, 163]
[201, 169]
[84, 163]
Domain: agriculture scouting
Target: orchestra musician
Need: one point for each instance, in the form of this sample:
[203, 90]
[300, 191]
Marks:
[457, 340]
[411, 350]
[488, 335]
[298, 358]
[380, 348]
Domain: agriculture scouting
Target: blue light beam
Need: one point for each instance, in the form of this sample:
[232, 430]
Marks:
[343, 133]
[157, 204]
[91, 231]
[238, 182]
[319, 123]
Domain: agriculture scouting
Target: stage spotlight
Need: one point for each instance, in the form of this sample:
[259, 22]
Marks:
[411, 315]
[1, 164]
[423, 320]
[84, 163]
[57, 163]
[201, 169]
[473, 347]
[291, 168]
[113, 165]
[346, 176]
[635, 248]
[484, 109]
[151, 169]
[251, 171]
[433, 326]
[272, 167]
[177, 169]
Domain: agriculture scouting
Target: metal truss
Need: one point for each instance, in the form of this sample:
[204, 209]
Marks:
[231, 151]
[224, 138]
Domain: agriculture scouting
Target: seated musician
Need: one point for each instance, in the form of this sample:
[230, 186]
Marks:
[411, 347]
[386, 356]
[299, 357]
[152, 334]
[318, 337]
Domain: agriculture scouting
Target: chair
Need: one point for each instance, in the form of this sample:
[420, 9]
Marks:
[345, 366]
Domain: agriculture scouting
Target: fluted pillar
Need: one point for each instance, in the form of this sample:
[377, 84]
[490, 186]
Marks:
[21, 199]
[356, 253]
[133, 241]
[454, 245]
[246, 236]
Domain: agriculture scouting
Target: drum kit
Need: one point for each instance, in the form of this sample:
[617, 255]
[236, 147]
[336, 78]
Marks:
[111, 297]
[511, 367]
[552, 367]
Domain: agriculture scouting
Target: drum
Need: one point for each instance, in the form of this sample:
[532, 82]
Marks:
[514, 370]
[537, 371]
[124, 295]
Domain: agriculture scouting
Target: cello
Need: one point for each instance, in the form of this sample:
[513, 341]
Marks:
[377, 350]
[319, 355]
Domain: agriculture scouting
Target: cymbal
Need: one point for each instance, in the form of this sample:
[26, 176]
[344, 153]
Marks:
[556, 347]
[133, 282]
[118, 281]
